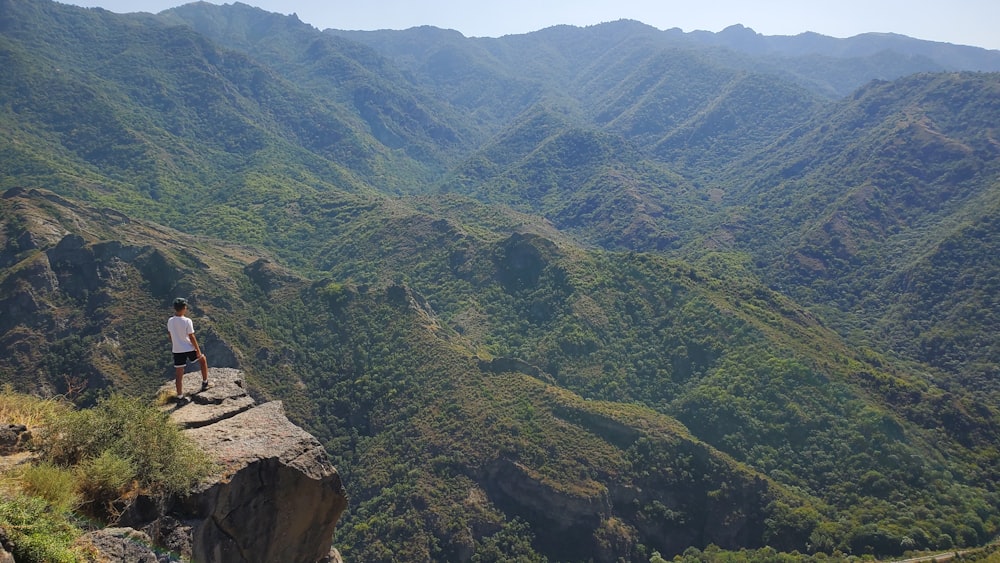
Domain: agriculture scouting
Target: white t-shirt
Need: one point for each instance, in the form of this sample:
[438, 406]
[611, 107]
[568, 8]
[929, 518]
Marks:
[180, 328]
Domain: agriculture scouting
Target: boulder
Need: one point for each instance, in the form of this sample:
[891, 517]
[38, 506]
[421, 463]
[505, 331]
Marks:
[13, 437]
[333, 557]
[6, 547]
[278, 497]
[121, 545]
[274, 497]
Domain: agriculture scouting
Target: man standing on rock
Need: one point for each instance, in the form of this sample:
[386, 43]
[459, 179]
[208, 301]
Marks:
[185, 347]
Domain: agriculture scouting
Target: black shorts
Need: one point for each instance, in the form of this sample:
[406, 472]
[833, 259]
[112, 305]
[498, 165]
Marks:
[181, 359]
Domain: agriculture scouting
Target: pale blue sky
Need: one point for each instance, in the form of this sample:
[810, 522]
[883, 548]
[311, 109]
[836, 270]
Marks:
[965, 22]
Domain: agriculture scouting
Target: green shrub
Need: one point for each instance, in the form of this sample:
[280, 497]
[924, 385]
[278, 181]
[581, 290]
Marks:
[105, 479]
[68, 439]
[37, 531]
[92, 458]
[127, 429]
[54, 484]
[18, 408]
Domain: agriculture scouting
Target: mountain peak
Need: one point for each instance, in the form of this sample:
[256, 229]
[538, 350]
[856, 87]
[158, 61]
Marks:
[738, 29]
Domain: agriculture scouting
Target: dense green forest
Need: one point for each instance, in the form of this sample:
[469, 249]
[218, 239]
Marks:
[606, 293]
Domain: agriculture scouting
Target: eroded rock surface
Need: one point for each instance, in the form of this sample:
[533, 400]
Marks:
[122, 545]
[275, 495]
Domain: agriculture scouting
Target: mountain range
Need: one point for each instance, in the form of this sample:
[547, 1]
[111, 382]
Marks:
[583, 293]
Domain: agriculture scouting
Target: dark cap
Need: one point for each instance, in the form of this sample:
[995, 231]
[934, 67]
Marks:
[180, 303]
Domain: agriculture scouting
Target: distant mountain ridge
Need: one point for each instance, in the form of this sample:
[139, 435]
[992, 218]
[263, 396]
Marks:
[950, 56]
[828, 65]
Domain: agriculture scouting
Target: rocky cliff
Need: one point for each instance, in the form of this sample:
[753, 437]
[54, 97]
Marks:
[274, 496]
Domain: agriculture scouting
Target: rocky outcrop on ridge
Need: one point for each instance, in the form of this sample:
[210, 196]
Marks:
[274, 497]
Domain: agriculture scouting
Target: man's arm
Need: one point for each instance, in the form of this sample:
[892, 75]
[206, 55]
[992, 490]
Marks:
[194, 342]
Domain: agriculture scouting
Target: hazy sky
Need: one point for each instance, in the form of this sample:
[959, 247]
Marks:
[966, 22]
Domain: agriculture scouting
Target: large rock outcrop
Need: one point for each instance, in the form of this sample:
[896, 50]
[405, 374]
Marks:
[275, 496]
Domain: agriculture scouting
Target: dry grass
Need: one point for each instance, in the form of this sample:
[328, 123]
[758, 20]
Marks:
[18, 408]
[164, 396]
[33, 412]
[57, 485]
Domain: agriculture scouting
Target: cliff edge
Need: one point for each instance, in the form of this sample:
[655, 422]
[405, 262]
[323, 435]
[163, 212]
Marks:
[274, 496]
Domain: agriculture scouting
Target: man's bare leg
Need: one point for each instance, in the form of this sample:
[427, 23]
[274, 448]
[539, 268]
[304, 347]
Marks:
[179, 380]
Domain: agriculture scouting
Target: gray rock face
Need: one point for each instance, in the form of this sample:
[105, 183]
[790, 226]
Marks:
[13, 437]
[275, 496]
[122, 545]
[280, 498]
[6, 547]
[566, 512]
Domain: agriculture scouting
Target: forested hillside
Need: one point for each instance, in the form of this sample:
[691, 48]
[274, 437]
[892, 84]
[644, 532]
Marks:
[850, 225]
[584, 293]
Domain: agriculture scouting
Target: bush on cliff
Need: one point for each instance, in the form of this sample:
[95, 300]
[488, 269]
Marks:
[91, 461]
[125, 435]
[37, 532]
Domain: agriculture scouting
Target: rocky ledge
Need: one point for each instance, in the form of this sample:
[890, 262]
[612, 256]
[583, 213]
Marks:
[274, 497]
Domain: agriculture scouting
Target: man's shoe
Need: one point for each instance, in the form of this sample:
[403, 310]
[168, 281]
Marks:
[204, 385]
